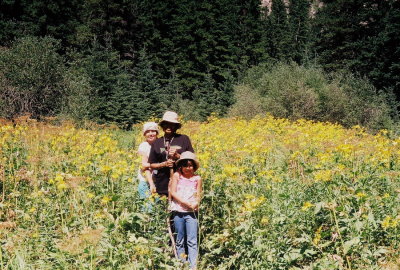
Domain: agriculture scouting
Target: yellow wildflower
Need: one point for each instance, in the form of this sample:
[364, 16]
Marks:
[264, 221]
[62, 185]
[306, 206]
[386, 222]
[361, 195]
[106, 199]
[317, 236]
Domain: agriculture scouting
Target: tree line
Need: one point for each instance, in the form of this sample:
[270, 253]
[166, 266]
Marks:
[125, 61]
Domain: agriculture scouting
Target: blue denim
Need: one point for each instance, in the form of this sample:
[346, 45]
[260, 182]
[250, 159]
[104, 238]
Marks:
[186, 226]
[143, 189]
[144, 194]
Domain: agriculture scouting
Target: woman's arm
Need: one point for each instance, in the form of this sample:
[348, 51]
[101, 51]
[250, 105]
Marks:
[145, 162]
[146, 168]
[172, 191]
[149, 178]
[157, 166]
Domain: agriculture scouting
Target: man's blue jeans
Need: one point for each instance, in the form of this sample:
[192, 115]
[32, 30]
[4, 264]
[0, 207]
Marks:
[186, 226]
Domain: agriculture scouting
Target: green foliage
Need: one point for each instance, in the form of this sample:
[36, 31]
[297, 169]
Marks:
[153, 99]
[293, 91]
[135, 59]
[113, 96]
[361, 36]
[78, 91]
[57, 18]
[278, 31]
[201, 44]
[31, 75]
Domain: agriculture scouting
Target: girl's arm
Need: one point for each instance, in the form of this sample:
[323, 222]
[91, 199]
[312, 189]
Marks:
[174, 183]
[195, 206]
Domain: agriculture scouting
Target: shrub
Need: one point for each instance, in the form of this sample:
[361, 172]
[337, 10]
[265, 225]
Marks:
[294, 92]
[31, 72]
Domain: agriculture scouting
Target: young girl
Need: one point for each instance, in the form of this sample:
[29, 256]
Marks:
[185, 190]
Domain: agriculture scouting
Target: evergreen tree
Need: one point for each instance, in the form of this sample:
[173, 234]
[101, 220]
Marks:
[361, 36]
[278, 38]
[299, 21]
[58, 18]
[115, 98]
[112, 23]
[383, 68]
[152, 98]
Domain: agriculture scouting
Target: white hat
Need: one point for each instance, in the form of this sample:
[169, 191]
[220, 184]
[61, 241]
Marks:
[150, 126]
[190, 156]
[171, 117]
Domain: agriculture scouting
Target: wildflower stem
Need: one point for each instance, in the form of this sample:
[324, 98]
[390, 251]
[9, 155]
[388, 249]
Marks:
[340, 237]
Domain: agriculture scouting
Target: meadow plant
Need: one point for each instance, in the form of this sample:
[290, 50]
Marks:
[278, 194]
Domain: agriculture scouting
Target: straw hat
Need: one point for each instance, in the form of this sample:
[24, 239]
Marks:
[187, 155]
[150, 126]
[171, 117]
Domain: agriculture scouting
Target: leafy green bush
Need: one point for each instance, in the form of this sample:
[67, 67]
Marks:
[31, 72]
[77, 102]
[294, 92]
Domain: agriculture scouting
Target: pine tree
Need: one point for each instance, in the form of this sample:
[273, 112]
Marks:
[361, 36]
[300, 29]
[58, 18]
[146, 82]
[111, 79]
[278, 37]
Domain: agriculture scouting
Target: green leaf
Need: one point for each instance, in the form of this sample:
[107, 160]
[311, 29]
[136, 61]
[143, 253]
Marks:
[318, 207]
[347, 246]
[293, 255]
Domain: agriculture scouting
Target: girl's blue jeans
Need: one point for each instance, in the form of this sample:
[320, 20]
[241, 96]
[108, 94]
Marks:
[186, 227]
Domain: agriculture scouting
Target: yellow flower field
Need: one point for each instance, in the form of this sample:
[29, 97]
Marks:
[277, 195]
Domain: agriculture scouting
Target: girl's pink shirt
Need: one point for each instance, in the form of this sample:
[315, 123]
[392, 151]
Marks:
[186, 189]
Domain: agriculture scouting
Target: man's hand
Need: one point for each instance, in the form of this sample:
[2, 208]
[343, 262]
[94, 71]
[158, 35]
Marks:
[172, 153]
[170, 163]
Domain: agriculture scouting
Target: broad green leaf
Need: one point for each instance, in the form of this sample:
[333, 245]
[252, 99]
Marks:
[349, 244]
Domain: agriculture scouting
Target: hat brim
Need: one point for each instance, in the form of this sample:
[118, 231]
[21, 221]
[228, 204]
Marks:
[179, 125]
[152, 129]
[195, 162]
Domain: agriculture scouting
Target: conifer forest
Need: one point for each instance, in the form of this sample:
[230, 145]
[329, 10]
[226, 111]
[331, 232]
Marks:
[126, 61]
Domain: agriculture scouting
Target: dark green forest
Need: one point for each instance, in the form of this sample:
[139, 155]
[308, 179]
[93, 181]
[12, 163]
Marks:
[124, 61]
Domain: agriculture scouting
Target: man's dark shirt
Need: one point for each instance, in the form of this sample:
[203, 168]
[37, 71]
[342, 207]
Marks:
[158, 154]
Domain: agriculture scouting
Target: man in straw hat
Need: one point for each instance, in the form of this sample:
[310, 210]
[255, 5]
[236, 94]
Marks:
[166, 150]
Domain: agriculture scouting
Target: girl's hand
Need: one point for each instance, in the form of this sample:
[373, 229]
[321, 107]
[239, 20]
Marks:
[194, 206]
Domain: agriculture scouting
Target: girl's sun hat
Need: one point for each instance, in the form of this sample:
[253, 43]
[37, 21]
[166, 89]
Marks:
[187, 155]
[150, 126]
[171, 117]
